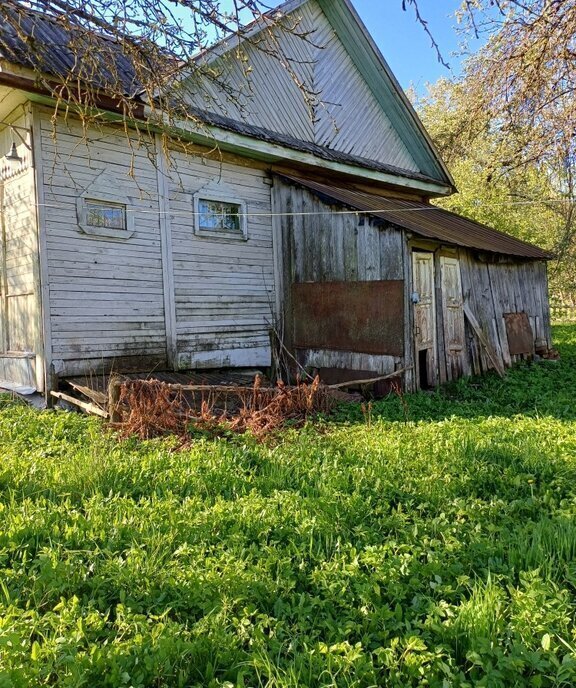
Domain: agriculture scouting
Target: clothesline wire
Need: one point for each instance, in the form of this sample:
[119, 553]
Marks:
[372, 211]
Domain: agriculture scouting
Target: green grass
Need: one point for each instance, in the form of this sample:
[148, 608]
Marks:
[440, 551]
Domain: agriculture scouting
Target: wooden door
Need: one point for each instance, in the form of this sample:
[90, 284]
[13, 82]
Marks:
[424, 319]
[453, 316]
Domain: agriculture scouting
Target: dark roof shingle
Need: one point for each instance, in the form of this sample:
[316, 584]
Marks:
[62, 48]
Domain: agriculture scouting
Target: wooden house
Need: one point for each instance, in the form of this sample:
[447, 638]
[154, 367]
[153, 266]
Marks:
[312, 218]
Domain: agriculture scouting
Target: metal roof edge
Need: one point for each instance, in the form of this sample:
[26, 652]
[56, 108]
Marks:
[346, 21]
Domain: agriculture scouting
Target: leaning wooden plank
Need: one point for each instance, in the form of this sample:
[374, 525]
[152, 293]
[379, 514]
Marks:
[89, 408]
[371, 380]
[97, 397]
[492, 355]
[229, 389]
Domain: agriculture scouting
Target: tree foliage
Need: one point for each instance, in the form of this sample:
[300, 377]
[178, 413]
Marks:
[507, 127]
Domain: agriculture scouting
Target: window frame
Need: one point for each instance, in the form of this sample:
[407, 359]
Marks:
[220, 234]
[82, 204]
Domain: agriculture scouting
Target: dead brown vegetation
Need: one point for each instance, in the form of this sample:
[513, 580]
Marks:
[150, 408]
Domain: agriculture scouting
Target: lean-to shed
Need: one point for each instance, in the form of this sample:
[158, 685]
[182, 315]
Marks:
[131, 252]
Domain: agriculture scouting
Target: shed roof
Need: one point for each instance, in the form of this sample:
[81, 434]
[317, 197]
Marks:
[425, 220]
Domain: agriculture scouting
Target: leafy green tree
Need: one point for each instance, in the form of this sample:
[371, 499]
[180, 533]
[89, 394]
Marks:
[529, 198]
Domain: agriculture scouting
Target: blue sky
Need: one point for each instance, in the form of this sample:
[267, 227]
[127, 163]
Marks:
[404, 43]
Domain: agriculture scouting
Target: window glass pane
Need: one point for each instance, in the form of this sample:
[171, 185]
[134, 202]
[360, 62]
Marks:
[219, 216]
[105, 215]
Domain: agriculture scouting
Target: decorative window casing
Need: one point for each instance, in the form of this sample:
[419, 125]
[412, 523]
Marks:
[220, 217]
[104, 218]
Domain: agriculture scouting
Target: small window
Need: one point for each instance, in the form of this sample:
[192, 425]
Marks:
[220, 218]
[110, 215]
[104, 218]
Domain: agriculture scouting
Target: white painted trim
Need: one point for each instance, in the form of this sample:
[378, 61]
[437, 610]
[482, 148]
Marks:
[44, 356]
[106, 232]
[221, 234]
[251, 147]
[167, 255]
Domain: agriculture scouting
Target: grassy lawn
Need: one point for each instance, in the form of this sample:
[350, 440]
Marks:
[440, 551]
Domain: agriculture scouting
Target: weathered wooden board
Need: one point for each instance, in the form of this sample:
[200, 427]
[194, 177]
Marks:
[452, 317]
[224, 290]
[366, 317]
[20, 314]
[106, 295]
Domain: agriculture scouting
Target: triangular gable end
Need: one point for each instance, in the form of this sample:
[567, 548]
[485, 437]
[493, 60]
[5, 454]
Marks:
[338, 92]
[385, 87]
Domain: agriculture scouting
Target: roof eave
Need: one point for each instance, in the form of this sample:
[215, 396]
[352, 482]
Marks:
[252, 147]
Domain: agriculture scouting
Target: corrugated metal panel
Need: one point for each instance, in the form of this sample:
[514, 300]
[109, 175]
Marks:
[61, 48]
[426, 220]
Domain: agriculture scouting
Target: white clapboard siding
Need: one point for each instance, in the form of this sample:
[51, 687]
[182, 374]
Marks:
[321, 98]
[106, 295]
[223, 289]
[20, 336]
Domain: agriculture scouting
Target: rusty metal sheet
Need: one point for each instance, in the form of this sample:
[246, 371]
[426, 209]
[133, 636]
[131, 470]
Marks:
[425, 220]
[363, 317]
[519, 333]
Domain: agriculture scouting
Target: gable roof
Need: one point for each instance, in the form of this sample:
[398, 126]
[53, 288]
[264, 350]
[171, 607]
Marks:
[372, 67]
[45, 43]
[424, 220]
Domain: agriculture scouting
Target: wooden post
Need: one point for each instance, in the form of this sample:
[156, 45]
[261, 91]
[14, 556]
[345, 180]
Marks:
[114, 413]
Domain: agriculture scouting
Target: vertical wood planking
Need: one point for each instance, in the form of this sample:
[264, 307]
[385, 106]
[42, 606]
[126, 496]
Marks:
[167, 253]
[328, 245]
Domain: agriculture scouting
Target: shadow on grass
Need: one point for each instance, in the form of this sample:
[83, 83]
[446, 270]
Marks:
[544, 388]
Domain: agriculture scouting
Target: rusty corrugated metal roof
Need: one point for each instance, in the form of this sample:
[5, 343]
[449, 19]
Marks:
[426, 220]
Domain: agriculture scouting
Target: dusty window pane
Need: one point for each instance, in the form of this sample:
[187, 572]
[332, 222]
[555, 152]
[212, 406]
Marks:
[105, 215]
[219, 216]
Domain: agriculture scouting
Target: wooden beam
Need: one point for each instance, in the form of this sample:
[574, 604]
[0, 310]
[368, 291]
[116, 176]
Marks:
[50, 378]
[89, 408]
[371, 380]
[163, 181]
[114, 399]
[492, 355]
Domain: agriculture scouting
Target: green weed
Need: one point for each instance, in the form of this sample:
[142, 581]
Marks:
[433, 546]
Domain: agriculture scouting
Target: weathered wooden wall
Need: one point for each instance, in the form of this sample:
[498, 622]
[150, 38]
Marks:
[494, 288]
[327, 243]
[224, 288]
[20, 333]
[105, 296]
[333, 106]
[122, 302]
